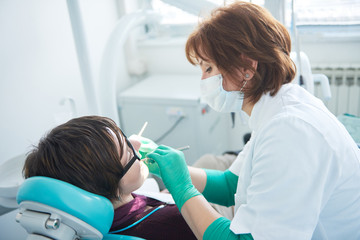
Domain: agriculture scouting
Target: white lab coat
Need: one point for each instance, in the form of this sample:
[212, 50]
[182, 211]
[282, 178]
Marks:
[299, 175]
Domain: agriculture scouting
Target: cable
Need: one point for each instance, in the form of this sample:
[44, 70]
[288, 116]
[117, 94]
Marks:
[170, 129]
[138, 221]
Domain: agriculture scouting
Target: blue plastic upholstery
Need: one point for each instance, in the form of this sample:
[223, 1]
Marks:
[91, 208]
[120, 237]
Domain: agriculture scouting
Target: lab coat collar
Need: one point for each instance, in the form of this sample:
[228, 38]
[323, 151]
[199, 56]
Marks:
[266, 107]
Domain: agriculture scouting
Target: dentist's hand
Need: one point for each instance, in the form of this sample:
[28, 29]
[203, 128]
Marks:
[153, 167]
[147, 146]
[174, 173]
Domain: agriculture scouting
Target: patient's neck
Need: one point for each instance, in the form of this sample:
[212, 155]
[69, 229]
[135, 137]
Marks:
[124, 200]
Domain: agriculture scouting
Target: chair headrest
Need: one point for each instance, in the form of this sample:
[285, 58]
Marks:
[91, 208]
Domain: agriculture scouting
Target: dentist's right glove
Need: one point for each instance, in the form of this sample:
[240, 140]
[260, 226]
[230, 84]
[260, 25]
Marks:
[175, 174]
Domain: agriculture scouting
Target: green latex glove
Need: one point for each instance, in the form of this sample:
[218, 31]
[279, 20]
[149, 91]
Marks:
[174, 173]
[147, 146]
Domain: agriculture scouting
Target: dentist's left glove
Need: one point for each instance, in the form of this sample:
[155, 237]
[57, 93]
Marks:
[147, 146]
[174, 173]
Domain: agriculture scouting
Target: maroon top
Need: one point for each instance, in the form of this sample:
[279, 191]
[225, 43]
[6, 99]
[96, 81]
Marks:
[165, 223]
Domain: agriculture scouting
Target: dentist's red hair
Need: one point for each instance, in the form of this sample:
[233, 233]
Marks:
[234, 33]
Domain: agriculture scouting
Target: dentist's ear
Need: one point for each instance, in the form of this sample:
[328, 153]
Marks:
[249, 73]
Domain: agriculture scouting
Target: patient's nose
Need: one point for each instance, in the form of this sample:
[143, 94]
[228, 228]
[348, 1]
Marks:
[135, 143]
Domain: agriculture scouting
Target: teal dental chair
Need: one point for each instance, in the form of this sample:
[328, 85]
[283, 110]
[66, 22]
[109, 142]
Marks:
[52, 209]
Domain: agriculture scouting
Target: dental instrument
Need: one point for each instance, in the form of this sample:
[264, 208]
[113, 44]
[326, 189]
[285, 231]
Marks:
[142, 129]
[183, 148]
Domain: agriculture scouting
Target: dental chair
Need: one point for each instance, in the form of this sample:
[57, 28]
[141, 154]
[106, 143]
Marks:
[51, 209]
[309, 79]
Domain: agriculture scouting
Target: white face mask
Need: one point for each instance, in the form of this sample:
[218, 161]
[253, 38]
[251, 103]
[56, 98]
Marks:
[216, 97]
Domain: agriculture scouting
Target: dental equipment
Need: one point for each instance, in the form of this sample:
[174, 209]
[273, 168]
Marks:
[53, 209]
[297, 47]
[82, 51]
[138, 221]
[113, 57]
[304, 76]
[142, 129]
[193, 7]
[183, 148]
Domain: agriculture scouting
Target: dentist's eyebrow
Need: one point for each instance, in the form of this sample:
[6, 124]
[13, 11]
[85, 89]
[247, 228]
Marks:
[200, 62]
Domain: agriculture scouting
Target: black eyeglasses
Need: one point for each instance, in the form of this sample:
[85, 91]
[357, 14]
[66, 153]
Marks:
[133, 159]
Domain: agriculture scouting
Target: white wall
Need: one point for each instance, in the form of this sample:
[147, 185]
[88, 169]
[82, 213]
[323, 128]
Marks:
[38, 68]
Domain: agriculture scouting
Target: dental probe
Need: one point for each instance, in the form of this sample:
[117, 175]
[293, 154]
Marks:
[183, 148]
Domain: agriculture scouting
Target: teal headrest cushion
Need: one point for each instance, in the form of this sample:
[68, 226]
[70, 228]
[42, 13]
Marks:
[91, 208]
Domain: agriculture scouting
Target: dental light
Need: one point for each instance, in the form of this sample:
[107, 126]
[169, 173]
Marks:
[191, 6]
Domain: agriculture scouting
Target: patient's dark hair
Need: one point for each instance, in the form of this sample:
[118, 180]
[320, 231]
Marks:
[81, 152]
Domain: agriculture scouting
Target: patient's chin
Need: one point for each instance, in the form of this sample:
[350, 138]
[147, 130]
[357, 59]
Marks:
[144, 171]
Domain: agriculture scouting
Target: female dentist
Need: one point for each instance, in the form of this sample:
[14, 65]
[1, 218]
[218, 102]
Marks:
[299, 175]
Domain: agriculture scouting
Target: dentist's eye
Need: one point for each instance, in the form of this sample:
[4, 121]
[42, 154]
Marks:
[208, 70]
